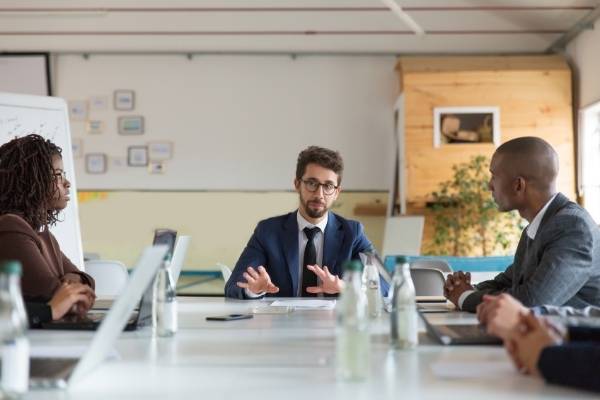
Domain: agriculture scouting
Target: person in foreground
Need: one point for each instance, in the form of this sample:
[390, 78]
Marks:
[557, 261]
[561, 353]
[34, 191]
[301, 253]
[566, 356]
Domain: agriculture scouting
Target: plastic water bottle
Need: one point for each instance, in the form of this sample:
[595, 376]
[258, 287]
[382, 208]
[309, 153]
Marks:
[352, 333]
[371, 287]
[13, 327]
[164, 310]
[404, 319]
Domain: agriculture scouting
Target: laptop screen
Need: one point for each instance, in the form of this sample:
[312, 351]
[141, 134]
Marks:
[165, 236]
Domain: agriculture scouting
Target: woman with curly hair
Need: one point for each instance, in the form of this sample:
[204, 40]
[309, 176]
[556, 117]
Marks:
[33, 190]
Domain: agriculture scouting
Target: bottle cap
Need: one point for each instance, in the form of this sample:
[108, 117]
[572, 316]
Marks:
[10, 267]
[353, 265]
[402, 259]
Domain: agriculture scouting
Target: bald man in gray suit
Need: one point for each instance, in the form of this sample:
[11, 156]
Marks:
[557, 261]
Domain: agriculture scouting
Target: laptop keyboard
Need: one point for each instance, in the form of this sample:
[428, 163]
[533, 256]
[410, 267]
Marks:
[51, 367]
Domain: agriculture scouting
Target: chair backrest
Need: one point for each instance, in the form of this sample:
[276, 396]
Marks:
[403, 235]
[427, 281]
[110, 276]
[225, 271]
[442, 265]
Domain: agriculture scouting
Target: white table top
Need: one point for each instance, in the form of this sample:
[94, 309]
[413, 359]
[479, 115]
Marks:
[288, 356]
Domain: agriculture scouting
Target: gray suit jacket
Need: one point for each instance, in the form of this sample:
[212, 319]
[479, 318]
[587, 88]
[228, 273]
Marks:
[561, 266]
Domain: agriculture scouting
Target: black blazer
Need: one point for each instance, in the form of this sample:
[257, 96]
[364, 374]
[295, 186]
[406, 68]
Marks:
[38, 313]
[576, 363]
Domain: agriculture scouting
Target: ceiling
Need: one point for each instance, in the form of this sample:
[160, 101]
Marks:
[295, 26]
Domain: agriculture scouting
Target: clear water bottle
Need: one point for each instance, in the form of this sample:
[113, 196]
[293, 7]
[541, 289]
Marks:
[164, 307]
[352, 333]
[13, 328]
[371, 287]
[404, 319]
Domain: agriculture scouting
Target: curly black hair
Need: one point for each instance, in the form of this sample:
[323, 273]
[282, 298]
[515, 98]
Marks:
[27, 181]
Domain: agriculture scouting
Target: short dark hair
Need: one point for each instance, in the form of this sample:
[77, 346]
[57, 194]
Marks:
[321, 156]
[27, 179]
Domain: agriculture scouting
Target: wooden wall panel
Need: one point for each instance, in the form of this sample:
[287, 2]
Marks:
[532, 92]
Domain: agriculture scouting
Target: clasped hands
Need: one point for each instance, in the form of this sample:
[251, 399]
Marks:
[259, 281]
[524, 334]
[456, 284]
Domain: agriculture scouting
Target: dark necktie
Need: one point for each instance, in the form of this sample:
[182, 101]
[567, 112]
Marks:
[310, 258]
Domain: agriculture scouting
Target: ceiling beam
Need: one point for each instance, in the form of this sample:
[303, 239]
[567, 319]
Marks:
[585, 23]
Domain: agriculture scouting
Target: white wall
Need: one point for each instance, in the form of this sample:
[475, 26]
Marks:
[237, 122]
[584, 53]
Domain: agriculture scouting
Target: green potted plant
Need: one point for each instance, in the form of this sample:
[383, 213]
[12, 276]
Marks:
[467, 220]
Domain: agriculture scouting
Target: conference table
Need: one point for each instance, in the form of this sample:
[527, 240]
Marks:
[288, 356]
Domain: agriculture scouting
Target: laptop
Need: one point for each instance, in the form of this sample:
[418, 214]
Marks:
[459, 334]
[61, 372]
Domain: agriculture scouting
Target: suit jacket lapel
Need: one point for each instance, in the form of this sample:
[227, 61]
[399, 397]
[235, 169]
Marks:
[290, 244]
[558, 203]
[332, 241]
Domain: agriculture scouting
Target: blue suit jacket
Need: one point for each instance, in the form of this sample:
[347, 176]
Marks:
[274, 245]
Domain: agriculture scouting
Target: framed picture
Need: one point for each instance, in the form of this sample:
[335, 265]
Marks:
[137, 156]
[464, 125]
[95, 127]
[124, 99]
[131, 125]
[77, 147]
[78, 110]
[160, 150]
[95, 163]
[98, 103]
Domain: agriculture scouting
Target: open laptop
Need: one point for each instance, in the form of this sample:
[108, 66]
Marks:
[459, 334]
[61, 372]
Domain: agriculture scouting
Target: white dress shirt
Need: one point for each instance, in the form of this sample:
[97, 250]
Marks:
[302, 241]
[531, 230]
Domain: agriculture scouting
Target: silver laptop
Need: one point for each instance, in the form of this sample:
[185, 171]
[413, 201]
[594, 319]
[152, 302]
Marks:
[459, 334]
[62, 372]
[179, 253]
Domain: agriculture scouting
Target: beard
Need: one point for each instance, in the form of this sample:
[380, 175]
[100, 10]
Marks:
[311, 211]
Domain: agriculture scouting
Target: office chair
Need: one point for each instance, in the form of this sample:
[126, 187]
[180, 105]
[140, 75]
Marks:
[110, 276]
[427, 281]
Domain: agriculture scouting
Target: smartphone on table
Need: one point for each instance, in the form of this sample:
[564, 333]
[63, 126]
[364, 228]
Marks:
[229, 317]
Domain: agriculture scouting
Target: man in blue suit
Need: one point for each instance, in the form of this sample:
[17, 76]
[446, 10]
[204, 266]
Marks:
[301, 253]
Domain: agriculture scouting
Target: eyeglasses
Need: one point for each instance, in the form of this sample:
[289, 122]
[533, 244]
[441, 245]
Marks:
[60, 176]
[313, 185]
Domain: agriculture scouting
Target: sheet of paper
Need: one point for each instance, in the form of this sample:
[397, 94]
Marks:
[63, 351]
[472, 369]
[306, 304]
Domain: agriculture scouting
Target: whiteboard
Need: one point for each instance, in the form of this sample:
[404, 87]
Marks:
[236, 122]
[47, 116]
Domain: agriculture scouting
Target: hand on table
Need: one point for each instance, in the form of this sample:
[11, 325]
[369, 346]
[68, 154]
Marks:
[74, 298]
[258, 281]
[456, 284]
[532, 334]
[330, 284]
[500, 314]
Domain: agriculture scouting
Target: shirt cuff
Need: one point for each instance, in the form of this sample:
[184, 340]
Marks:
[463, 297]
[253, 295]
